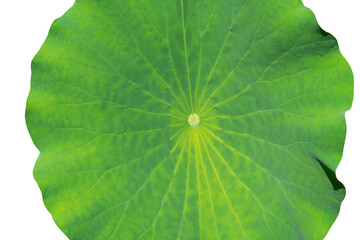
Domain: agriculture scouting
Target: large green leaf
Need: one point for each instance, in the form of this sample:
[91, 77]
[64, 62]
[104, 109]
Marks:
[189, 119]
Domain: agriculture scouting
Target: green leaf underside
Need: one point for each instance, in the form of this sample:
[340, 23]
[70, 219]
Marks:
[113, 87]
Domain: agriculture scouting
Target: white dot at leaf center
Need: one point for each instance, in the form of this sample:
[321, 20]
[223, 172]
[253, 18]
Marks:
[194, 120]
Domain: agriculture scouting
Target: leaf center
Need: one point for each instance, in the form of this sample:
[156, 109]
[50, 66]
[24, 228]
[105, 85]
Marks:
[193, 120]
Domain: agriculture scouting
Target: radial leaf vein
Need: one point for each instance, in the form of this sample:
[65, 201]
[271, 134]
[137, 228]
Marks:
[261, 168]
[235, 67]
[171, 181]
[137, 50]
[199, 141]
[220, 53]
[223, 189]
[186, 190]
[173, 66]
[186, 54]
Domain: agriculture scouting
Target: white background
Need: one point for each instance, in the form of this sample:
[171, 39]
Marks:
[24, 24]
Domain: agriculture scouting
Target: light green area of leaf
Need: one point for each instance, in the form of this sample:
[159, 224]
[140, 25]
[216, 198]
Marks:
[189, 119]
